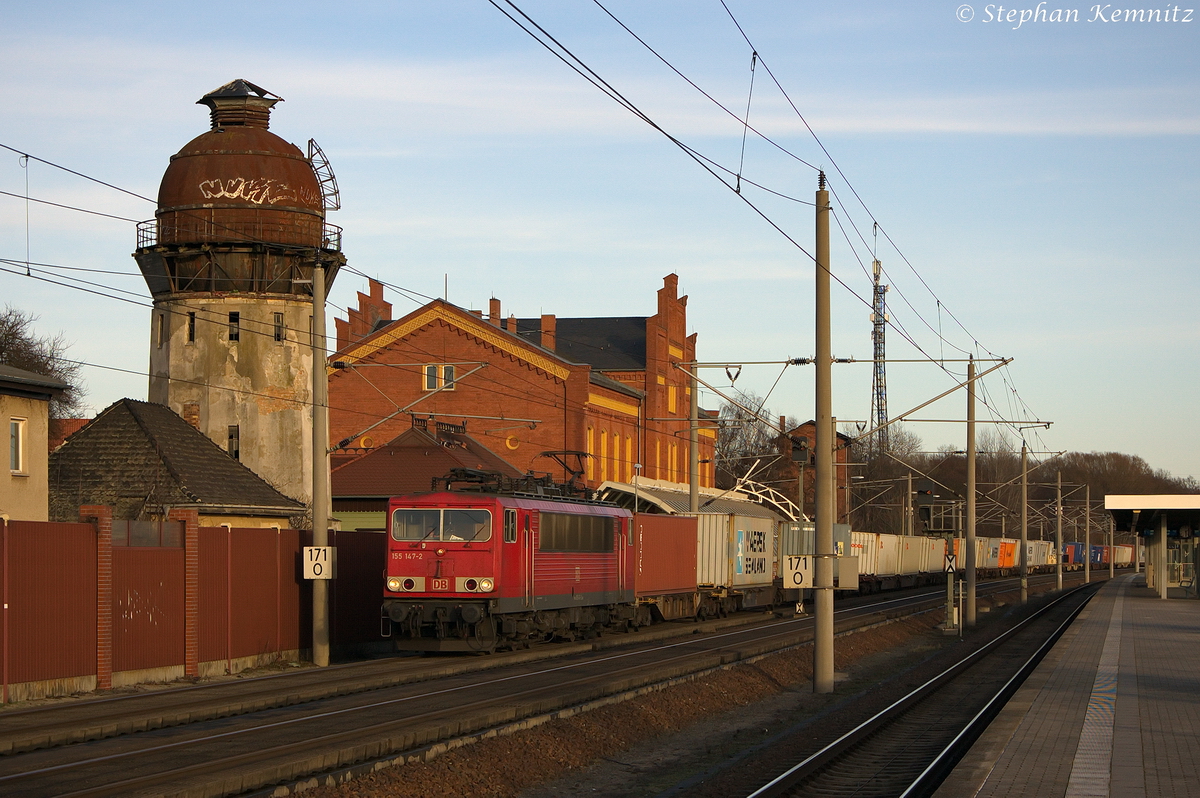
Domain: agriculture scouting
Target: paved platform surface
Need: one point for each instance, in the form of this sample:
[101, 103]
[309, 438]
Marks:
[1113, 710]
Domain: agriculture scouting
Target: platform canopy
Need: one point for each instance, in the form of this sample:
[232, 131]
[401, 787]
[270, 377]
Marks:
[1145, 511]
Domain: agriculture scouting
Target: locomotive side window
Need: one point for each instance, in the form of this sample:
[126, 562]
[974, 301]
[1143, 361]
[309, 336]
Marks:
[563, 532]
[441, 525]
[510, 526]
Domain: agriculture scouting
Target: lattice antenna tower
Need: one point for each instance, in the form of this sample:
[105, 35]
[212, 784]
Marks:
[879, 319]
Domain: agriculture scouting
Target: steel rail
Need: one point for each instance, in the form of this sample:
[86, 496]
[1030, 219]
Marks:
[773, 631]
[231, 699]
[377, 729]
[791, 777]
[866, 610]
[949, 756]
[705, 663]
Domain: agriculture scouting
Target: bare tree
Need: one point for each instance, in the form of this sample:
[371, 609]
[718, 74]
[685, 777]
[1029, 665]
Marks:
[745, 438]
[21, 347]
[877, 501]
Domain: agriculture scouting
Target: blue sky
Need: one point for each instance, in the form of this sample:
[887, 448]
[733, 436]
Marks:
[1041, 181]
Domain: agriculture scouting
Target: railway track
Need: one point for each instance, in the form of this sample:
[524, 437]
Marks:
[905, 750]
[188, 748]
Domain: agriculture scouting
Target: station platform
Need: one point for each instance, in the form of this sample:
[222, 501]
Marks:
[1113, 709]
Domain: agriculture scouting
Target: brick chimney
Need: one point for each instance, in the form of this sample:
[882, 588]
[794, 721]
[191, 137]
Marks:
[494, 311]
[511, 324]
[191, 413]
[549, 325]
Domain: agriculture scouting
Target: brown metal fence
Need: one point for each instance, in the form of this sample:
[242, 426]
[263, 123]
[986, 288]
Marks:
[250, 593]
[48, 585]
[358, 590]
[148, 607]
[60, 601]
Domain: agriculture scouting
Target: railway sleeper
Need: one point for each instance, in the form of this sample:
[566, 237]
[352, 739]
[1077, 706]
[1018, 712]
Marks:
[473, 626]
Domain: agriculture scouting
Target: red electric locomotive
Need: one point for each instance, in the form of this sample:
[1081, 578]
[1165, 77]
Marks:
[503, 563]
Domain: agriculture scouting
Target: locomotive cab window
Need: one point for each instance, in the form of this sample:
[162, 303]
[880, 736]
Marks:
[441, 525]
[563, 532]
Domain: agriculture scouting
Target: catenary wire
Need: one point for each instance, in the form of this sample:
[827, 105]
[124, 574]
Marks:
[69, 207]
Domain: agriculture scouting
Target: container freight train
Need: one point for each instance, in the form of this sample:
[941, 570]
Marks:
[1001, 556]
[481, 569]
[469, 570]
[1122, 556]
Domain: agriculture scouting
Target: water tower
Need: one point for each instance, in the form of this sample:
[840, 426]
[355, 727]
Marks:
[228, 259]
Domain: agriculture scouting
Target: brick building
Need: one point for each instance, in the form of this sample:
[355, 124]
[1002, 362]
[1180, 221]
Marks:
[609, 387]
[804, 439]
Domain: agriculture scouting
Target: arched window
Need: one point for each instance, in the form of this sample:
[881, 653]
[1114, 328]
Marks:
[591, 450]
[616, 457]
[628, 459]
[603, 455]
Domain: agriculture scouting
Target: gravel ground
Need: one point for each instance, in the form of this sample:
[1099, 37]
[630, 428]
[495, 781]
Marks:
[740, 707]
[661, 743]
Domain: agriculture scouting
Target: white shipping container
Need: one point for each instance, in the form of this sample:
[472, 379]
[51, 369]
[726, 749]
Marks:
[798, 538]
[735, 550]
[911, 553]
[989, 553]
[712, 549]
[1038, 553]
[753, 547]
[862, 545]
[887, 558]
[934, 560]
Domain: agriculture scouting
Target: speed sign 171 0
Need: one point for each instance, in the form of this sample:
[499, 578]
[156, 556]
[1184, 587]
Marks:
[320, 562]
[798, 573]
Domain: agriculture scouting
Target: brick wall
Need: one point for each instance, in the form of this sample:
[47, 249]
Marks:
[191, 589]
[100, 516]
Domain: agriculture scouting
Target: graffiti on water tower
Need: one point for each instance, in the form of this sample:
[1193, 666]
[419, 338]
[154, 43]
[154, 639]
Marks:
[259, 191]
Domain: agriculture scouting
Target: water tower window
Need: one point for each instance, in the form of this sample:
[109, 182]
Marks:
[235, 326]
[278, 326]
[235, 442]
[162, 329]
[192, 327]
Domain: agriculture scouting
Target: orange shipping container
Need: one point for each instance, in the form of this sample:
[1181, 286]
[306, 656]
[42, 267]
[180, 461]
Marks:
[1008, 553]
[666, 554]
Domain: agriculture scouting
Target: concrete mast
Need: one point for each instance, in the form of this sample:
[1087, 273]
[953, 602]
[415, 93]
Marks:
[823, 581]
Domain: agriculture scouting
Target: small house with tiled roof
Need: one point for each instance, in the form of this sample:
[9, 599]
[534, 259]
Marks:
[143, 460]
[408, 464]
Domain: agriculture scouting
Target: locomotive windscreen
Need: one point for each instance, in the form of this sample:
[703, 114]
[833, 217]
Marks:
[441, 525]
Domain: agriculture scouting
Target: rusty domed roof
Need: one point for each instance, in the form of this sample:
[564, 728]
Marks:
[239, 181]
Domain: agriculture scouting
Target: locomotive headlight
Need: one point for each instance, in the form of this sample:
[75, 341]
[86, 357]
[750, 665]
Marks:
[393, 584]
[486, 585]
